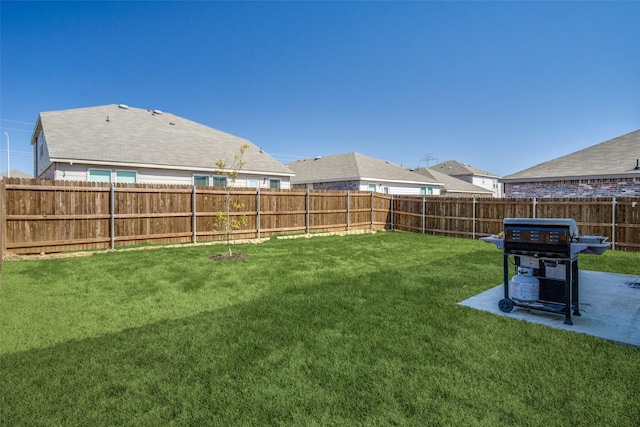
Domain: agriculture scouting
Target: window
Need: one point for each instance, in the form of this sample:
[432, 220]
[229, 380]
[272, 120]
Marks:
[385, 190]
[220, 181]
[128, 177]
[99, 175]
[201, 180]
[428, 191]
[253, 183]
[372, 187]
[274, 183]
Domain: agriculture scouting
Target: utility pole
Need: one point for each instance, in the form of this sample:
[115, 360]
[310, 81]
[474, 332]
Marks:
[8, 163]
[427, 158]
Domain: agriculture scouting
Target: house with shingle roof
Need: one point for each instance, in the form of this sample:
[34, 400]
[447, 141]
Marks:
[454, 186]
[117, 143]
[355, 171]
[470, 174]
[608, 169]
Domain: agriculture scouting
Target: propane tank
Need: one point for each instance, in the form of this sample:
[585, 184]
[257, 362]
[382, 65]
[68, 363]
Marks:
[525, 286]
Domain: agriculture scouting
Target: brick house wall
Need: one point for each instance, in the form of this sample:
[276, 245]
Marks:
[619, 187]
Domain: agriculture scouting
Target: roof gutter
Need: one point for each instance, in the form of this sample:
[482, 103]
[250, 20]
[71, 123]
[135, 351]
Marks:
[165, 167]
[359, 178]
[633, 174]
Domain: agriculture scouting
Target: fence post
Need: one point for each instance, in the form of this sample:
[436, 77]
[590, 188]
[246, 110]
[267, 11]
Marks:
[373, 212]
[535, 203]
[473, 233]
[307, 208]
[3, 224]
[348, 208]
[392, 226]
[258, 210]
[424, 215]
[613, 223]
[112, 213]
[193, 211]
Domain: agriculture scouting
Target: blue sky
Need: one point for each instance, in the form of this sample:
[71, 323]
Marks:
[499, 85]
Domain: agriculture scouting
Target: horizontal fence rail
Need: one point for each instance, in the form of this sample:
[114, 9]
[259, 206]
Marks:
[42, 216]
[616, 218]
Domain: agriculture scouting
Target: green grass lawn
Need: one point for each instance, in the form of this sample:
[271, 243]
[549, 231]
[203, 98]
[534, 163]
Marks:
[355, 330]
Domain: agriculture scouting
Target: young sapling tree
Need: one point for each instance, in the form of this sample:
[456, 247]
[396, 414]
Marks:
[226, 221]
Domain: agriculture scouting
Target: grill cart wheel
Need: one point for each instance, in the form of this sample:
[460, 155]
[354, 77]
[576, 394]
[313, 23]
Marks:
[505, 305]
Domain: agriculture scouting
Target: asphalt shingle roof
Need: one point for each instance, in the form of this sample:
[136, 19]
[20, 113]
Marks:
[615, 157]
[16, 174]
[353, 166]
[124, 135]
[456, 168]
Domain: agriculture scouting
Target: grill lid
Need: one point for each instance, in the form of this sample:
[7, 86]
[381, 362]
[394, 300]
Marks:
[567, 223]
[549, 235]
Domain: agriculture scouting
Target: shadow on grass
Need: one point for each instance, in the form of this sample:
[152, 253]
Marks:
[386, 347]
[346, 351]
[329, 353]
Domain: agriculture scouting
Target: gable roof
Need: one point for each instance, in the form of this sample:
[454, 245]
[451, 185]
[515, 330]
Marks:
[121, 135]
[616, 157]
[352, 167]
[453, 184]
[15, 173]
[456, 168]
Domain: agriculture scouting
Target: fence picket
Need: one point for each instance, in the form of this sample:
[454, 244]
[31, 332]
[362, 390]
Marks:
[52, 216]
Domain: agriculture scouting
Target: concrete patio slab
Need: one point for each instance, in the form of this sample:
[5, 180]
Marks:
[609, 304]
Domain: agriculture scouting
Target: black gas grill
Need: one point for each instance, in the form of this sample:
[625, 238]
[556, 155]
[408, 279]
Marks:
[545, 255]
[549, 239]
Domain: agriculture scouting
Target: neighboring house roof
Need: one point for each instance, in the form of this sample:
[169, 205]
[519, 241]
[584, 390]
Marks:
[454, 185]
[121, 135]
[456, 168]
[16, 174]
[351, 167]
[617, 157]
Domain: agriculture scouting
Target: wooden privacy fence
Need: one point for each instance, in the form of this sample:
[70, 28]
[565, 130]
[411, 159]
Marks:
[470, 217]
[54, 216]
